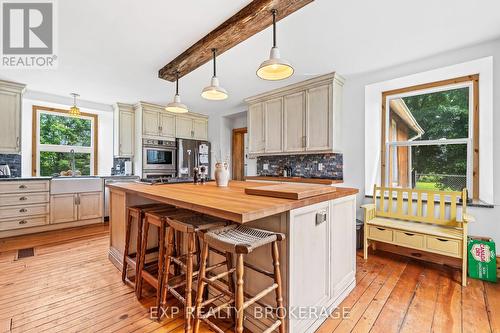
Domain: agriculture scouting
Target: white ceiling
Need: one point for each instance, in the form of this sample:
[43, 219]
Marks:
[112, 50]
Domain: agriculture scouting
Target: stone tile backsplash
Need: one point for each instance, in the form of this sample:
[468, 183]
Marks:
[302, 165]
[14, 163]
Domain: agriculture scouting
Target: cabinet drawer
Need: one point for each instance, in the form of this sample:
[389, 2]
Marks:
[379, 233]
[22, 211]
[18, 223]
[24, 186]
[409, 239]
[23, 198]
[446, 246]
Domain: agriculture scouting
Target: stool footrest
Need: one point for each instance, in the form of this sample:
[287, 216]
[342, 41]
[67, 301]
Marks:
[260, 295]
[259, 270]
[218, 287]
[216, 310]
[221, 275]
[274, 326]
[177, 295]
[211, 300]
[212, 325]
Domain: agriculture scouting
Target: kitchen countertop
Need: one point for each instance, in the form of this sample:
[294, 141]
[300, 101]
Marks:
[322, 181]
[230, 202]
[64, 177]
[24, 179]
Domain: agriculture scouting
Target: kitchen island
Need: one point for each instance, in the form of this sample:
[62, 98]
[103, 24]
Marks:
[318, 257]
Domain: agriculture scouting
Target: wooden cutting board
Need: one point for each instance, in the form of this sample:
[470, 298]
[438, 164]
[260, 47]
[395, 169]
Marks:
[290, 191]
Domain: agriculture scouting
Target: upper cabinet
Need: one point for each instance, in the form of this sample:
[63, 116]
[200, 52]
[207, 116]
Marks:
[157, 123]
[10, 108]
[300, 118]
[124, 133]
[191, 126]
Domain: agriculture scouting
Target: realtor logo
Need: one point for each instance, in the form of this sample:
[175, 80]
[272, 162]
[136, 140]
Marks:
[28, 34]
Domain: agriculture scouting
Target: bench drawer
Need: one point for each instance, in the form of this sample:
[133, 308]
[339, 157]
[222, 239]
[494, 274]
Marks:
[22, 211]
[379, 233]
[23, 198]
[444, 245]
[23, 222]
[411, 239]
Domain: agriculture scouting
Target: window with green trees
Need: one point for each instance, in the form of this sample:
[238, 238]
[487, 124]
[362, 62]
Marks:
[63, 140]
[429, 138]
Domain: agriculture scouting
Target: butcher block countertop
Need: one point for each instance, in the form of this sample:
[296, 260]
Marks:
[321, 181]
[230, 202]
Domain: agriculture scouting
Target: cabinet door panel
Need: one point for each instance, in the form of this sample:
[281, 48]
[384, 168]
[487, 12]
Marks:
[150, 123]
[256, 128]
[309, 260]
[294, 122]
[127, 133]
[89, 205]
[63, 208]
[274, 125]
[319, 118]
[183, 127]
[167, 123]
[343, 244]
[11, 120]
[200, 129]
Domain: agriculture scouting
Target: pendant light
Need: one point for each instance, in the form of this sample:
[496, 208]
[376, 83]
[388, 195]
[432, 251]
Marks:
[275, 68]
[74, 111]
[176, 106]
[214, 91]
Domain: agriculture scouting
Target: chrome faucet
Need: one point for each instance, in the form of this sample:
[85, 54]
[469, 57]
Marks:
[73, 167]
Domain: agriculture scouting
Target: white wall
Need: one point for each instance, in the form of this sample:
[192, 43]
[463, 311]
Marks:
[488, 219]
[105, 127]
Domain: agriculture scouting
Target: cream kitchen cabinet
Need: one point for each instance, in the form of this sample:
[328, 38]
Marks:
[310, 121]
[156, 122]
[124, 130]
[10, 126]
[191, 127]
[70, 207]
[255, 126]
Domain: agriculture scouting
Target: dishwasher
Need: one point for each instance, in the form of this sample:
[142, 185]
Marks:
[111, 180]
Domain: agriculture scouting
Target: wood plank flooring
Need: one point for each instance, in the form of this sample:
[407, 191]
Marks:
[69, 285]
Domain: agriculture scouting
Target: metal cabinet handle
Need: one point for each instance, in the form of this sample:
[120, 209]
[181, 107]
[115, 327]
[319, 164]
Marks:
[442, 240]
[23, 222]
[409, 234]
[23, 186]
[18, 141]
[23, 198]
[320, 217]
[381, 229]
[23, 210]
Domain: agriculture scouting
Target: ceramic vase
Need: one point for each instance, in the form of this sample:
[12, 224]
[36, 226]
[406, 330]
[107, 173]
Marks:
[221, 174]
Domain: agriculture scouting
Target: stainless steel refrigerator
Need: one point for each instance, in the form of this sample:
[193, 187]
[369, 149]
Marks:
[191, 154]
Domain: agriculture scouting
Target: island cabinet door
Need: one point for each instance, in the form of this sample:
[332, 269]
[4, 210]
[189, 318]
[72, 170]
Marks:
[343, 219]
[310, 266]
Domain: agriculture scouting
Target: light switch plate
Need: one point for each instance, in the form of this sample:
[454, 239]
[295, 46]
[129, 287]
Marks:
[265, 166]
[320, 166]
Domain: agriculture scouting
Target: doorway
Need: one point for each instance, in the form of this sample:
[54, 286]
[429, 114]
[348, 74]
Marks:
[238, 153]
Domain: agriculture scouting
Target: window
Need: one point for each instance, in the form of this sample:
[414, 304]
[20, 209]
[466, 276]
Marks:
[430, 136]
[59, 140]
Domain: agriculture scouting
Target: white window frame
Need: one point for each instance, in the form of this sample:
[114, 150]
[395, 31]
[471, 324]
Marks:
[64, 148]
[468, 141]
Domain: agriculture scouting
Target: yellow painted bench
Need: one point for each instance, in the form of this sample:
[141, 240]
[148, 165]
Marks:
[431, 223]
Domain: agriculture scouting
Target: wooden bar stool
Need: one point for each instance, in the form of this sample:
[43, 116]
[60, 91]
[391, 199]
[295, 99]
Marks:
[135, 213]
[153, 274]
[239, 240]
[187, 226]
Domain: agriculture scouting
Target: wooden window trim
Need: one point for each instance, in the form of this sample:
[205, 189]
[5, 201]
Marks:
[475, 134]
[34, 144]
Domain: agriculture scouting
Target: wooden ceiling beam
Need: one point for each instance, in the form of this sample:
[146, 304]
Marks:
[250, 20]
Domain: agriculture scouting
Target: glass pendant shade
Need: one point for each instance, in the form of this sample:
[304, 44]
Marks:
[275, 68]
[176, 106]
[74, 111]
[214, 91]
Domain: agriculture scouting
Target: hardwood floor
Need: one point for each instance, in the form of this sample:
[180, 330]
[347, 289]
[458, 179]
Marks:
[69, 285]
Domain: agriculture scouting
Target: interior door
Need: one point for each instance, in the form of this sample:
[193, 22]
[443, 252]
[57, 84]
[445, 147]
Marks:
[319, 118]
[150, 123]
[294, 122]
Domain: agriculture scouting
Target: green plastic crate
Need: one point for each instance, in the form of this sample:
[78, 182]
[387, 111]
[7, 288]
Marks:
[482, 258]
